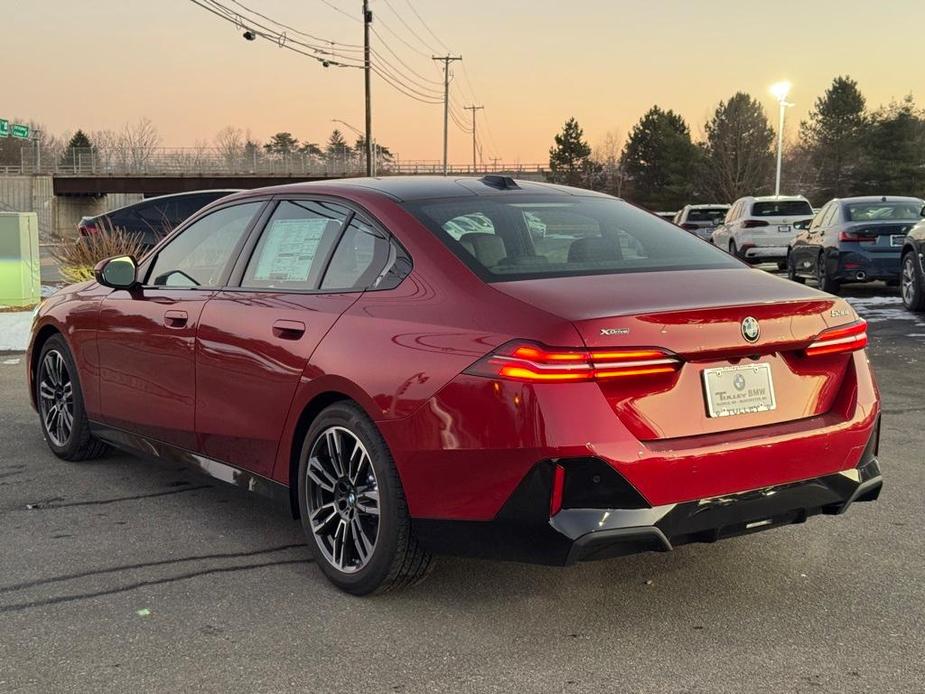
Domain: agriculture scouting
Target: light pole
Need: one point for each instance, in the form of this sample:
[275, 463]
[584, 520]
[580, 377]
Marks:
[780, 90]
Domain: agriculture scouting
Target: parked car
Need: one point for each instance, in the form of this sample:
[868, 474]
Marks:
[760, 229]
[701, 220]
[912, 277]
[667, 215]
[856, 239]
[152, 218]
[613, 386]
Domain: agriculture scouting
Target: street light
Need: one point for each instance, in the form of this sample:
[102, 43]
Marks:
[780, 90]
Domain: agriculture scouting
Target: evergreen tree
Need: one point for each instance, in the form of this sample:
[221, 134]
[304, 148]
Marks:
[833, 138]
[737, 155]
[893, 151]
[78, 152]
[337, 146]
[282, 144]
[659, 160]
[568, 160]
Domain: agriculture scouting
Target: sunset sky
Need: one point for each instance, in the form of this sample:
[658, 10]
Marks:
[532, 64]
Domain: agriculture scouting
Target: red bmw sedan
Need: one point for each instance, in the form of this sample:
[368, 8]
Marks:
[485, 367]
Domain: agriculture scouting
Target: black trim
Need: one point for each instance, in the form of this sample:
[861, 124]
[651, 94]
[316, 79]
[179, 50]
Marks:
[523, 531]
[147, 447]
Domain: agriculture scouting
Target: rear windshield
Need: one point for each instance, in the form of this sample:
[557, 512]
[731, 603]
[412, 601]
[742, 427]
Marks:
[532, 236]
[782, 208]
[713, 215]
[875, 211]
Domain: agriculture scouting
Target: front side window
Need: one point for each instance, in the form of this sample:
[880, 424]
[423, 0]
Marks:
[294, 245]
[532, 236]
[199, 255]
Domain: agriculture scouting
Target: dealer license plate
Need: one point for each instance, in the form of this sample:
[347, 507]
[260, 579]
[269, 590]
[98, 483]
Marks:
[732, 390]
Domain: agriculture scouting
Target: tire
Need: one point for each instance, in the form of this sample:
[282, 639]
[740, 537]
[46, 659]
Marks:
[59, 398]
[792, 271]
[826, 282]
[912, 283]
[734, 250]
[357, 498]
[782, 265]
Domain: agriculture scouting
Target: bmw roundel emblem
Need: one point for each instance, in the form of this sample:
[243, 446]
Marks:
[739, 382]
[750, 330]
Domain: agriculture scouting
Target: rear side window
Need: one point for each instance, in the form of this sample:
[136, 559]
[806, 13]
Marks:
[877, 211]
[782, 208]
[359, 258]
[199, 255]
[534, 236]
[294, 245]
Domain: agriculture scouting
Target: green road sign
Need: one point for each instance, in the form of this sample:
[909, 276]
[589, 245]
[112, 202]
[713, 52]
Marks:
[20, 131]
[4, 127]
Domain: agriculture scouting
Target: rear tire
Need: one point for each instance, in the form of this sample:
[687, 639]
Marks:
[59, 399]
[792, 271]
[912, 283]
[826, 282]
[353, 507]
[734, 250]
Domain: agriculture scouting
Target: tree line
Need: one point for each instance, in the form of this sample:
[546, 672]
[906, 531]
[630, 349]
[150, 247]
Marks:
[842, 149]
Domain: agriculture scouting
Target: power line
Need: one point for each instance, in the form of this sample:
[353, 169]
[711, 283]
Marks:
[424, 24]
[353, 47]
[408, 27]
[343, 12]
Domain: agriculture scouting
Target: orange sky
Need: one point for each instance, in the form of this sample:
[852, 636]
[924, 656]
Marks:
[532, 64]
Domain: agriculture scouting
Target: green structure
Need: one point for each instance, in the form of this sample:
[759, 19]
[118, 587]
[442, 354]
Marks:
[20, 270]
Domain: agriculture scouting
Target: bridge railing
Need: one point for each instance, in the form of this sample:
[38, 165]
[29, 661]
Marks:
[178, 161]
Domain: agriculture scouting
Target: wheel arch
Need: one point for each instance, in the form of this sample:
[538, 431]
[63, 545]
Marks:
[45, 333]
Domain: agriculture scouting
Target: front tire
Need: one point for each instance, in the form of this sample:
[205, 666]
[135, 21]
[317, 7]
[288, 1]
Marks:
[353, 507]
[912, 283]
[734, 250]
[59, 398]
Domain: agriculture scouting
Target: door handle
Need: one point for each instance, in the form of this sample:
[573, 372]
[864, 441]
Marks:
[175, 319]
[288, 329]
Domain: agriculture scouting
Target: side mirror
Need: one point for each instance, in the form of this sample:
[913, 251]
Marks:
[117, 273]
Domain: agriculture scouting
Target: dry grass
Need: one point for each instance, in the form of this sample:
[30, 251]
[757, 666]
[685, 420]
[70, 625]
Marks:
[77, 257]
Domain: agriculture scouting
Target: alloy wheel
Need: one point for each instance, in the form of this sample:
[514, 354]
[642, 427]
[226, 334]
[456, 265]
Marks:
[56, 398]
[907, 280]
[342, 495]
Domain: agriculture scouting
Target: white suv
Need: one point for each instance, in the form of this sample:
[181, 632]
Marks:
[759, 229]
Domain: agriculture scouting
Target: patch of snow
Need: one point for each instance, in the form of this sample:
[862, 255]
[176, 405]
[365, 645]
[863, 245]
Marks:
[14, 331]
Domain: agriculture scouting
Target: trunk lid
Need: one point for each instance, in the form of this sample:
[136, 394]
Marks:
[699, 315]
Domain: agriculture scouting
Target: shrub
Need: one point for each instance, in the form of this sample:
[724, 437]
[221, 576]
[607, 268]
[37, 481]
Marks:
[77, 257]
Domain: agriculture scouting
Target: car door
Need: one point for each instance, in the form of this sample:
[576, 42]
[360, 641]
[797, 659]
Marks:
[309, 264]
[799, 253]
[146, 336]
[815, 240]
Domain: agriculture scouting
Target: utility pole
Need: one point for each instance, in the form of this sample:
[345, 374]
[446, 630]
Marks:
[370, 147]
[446, 60]
[473, 109]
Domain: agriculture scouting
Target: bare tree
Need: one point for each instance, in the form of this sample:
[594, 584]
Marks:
[606, 155]
[230, 144]
[138, 142]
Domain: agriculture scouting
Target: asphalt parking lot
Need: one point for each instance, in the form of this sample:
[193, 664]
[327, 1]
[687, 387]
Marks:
[127, 575]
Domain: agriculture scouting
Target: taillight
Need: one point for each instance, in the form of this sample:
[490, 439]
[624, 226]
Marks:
[845, 338]
[856, 236]
[87, 229]
[752, 223]
[558, 488]
[533, 363]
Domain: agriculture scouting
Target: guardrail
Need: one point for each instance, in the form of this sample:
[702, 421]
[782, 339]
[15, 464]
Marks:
[174, 161]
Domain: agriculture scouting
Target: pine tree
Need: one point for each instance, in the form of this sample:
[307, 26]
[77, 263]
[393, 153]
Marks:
[568, 160]
[282, 144]
[337, 145]
[659, 160]
[893, 151]
[737, 155]
[78, 153]
[833, 137]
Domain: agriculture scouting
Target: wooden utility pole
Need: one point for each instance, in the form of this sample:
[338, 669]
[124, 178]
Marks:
[446, 60]
[370, 147]
[473, 109]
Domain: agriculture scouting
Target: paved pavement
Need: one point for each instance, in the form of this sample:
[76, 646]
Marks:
[125, 575]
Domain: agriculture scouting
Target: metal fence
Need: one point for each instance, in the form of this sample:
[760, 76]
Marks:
[167, 161]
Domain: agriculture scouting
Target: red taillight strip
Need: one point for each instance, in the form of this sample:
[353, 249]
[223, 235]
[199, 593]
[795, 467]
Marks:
[529, 362]
[846, 338]
[558, 487]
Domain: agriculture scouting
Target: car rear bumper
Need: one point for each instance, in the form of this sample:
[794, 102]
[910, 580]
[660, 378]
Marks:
[524, 532]
[771, 253]
[853, 266]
